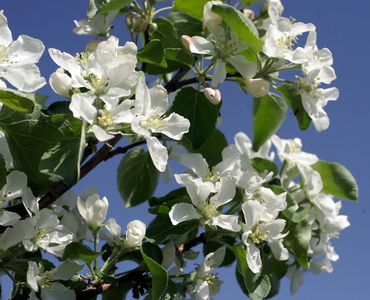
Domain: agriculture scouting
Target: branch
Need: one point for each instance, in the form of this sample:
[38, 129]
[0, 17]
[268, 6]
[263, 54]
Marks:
[194, 242]
[93, 290]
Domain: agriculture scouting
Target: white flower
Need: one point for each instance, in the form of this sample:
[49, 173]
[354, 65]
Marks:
[205, 207]
[94, 211]
[213, 95]
[99, 25]
[227, 47]
[257, 87]
[4, 150]
[314, 99]
[18, 59]
[148, 117]
[108, 73]
[15, 187]
[135, 234]
[281, 36]
[48, 281]
[206, 282]
[259, 231]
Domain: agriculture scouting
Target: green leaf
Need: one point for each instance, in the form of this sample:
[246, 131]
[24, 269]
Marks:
[18, 101]
[185, 24]
[63, 159]
[113, 5]
[194, 106]
[299, 237]
[77, 251]
[211, 150]
[29, 137]
[269, 113]
[159, 276]
[153, 251]
[93, 7]
[261, 289]
[294, 100]
[250, 2]
[262, 164]
[249, 277]
[161, 229]
[191, 7]
[106, 278]
[240, 24]
[137, 177]
[165, 29]
[153, 53]
[337, 180]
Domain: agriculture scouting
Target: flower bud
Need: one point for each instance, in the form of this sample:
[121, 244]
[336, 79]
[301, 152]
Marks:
[140, 25]
[135, 234]
[94, 211]
[213, 95]
[257, 87]
[249, 13]
[186, 42]
[152, 28]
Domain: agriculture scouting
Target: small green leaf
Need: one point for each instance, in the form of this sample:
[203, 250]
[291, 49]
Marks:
[269, 113]
[249, 277]
[240, 24]
[250, 2]
[294, 100]
[153, 53]
[77, 251]
[191, 7]
[261, 288]
[262, 164]
[153, 251]
[137, 177]
[93, 7]
[159, 276]
[337, 180]
[113, 5]
[106, 278]
[18, 101]
[193, 105]
[299, 237]
[165, 29]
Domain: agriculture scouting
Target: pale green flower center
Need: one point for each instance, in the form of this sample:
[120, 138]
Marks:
[83, 59]
[258, 236]
[98, 83]
[45, 281]
[155, 122]
[105, 118]
[208, 210]
[257, 196]
[287, 43]
[212, 281]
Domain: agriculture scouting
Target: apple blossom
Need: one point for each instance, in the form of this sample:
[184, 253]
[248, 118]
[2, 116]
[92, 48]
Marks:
[213, 95]
[18, 59]
[94, 211]
[100, 25]
[135, 234]
[149, 117]
[48, 281]
[281, 36]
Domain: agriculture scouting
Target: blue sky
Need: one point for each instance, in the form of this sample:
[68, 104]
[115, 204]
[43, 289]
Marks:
[342, 28]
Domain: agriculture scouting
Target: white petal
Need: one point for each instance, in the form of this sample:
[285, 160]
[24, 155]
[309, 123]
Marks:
[182, 212]
[81, 107]
[158, 153]
[101, 134]
[176, 126]
[227, 222]
[245, 67]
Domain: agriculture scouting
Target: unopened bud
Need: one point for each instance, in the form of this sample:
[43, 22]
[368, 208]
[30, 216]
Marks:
[153, 28]
[213, 95]
[257, 87]
[186, 42]
[129, 20]
[249, 13]
[140, 25]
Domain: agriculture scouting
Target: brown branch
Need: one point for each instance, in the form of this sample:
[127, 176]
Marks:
[194, 242]
[93, 290]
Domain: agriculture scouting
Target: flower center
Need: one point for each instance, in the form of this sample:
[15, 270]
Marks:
[5, 58]
[258, 236]
[155, 122]
[105, 117]
[212, 175]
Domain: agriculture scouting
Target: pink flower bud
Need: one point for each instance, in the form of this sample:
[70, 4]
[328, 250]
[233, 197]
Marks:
[213, 95]
[257, 87]
[249, 13]
[186, 42]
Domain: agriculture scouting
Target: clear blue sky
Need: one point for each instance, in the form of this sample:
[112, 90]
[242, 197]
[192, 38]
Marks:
[343, 28]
